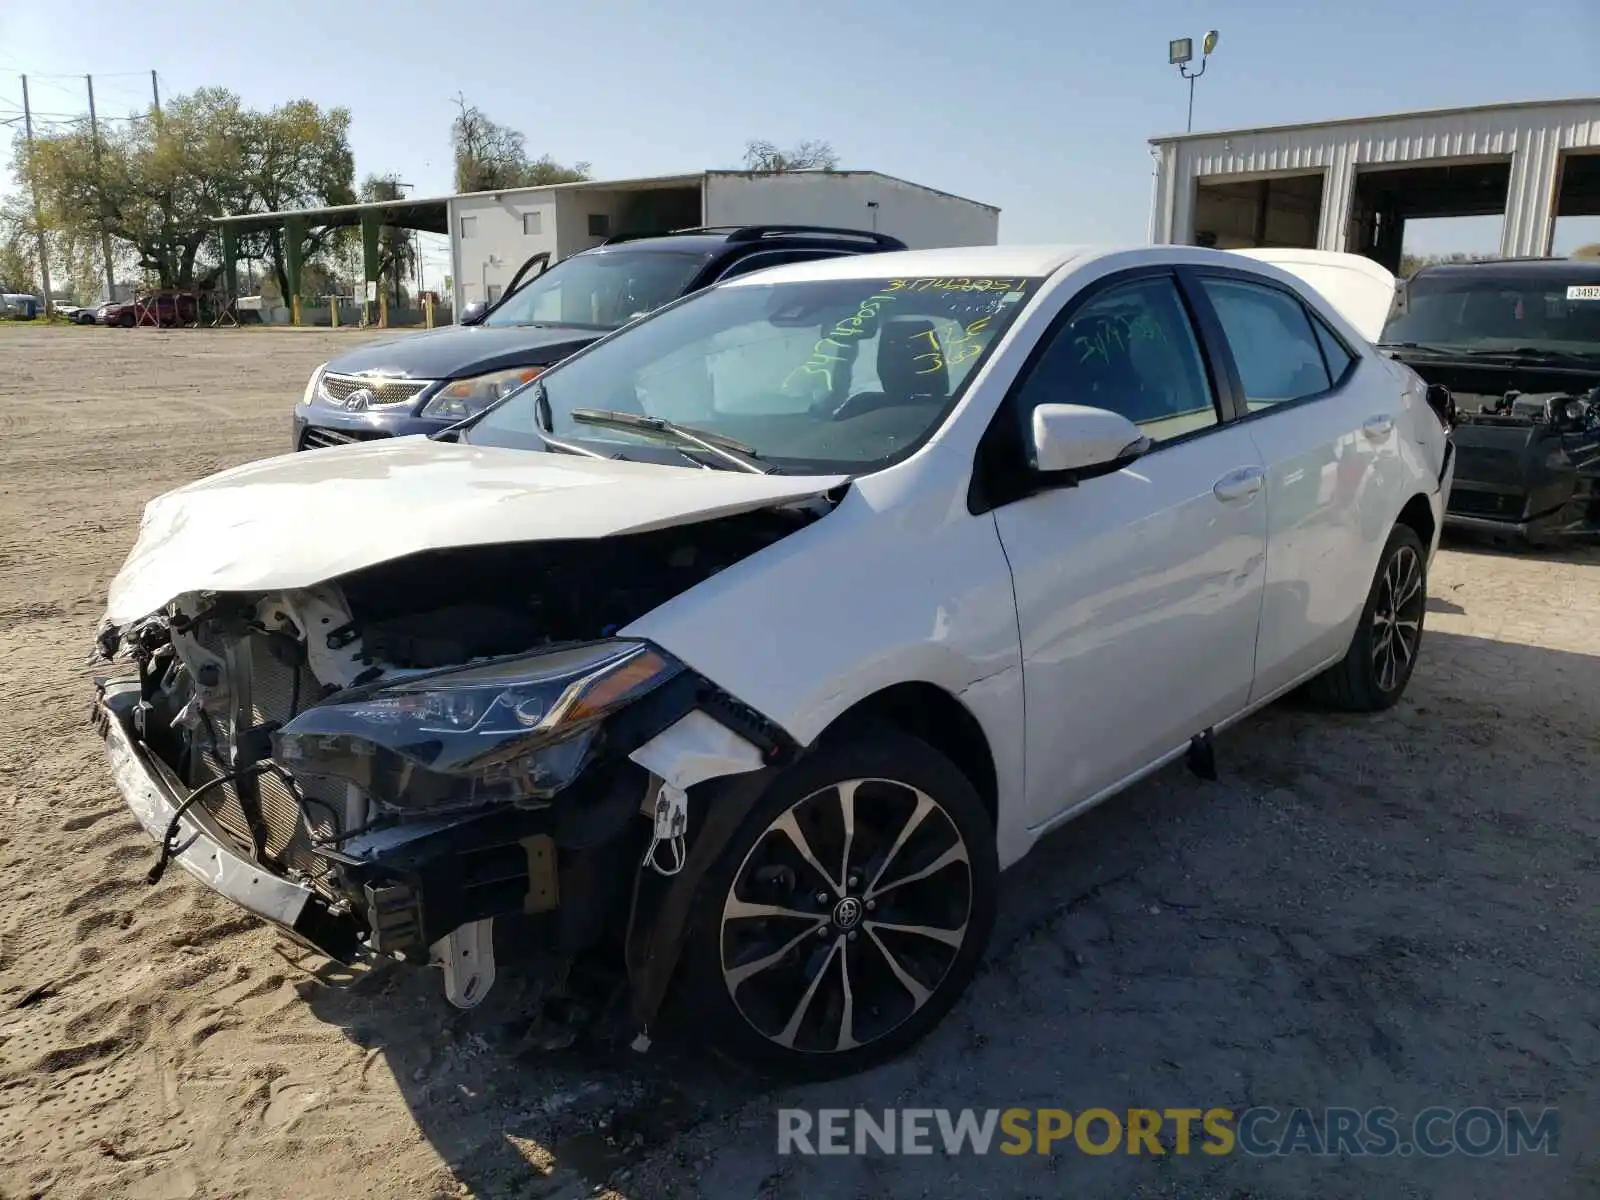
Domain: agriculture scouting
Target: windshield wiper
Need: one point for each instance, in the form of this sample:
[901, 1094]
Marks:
[741, 456]
[1542, 353]
[1423, 346]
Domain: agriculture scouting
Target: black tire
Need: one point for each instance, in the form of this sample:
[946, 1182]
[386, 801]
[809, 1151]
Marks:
[125, 320]
[1374, 672]
[810, 977]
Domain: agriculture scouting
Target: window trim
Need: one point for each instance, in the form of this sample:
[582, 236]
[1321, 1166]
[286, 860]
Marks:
[1000, 474]
[1222, 350]
[812, 254]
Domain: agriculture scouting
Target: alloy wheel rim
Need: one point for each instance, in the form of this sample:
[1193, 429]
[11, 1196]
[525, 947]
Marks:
[1397, 619]
[845, 916]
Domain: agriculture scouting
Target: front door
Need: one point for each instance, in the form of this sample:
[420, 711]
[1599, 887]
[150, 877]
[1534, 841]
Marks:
[1138, 593]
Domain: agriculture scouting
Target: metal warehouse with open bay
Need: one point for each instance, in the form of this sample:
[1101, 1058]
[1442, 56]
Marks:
[1351, 185]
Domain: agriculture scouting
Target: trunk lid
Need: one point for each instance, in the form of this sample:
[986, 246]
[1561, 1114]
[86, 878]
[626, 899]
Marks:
[1360, 290]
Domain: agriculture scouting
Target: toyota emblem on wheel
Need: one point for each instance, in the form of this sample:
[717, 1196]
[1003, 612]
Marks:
[847, 914]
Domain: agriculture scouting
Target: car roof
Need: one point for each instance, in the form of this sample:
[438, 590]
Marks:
[749, 238]
[952, 261]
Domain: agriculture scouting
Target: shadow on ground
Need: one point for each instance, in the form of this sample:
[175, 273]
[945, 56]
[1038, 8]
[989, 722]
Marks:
[1393, 910]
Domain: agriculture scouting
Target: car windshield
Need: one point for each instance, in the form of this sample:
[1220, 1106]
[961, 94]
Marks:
[600, 291]
[837, 375]
[1487, 313]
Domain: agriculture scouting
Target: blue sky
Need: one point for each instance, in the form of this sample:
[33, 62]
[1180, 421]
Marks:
[1041, 108]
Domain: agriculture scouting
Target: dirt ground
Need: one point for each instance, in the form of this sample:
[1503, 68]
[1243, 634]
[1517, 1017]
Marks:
[1401, 910]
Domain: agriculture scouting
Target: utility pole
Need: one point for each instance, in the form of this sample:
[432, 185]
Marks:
[105, 238]
[155, 91]
[38, 215]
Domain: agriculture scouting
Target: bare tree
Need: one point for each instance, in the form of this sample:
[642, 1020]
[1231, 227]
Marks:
[765, 157]
[490, 156]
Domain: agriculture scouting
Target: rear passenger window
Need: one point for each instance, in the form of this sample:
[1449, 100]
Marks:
[1333, 351]
[1273, 343]
[1129, 349]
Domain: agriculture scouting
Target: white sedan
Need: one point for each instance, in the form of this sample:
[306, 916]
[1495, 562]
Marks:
[749, 645]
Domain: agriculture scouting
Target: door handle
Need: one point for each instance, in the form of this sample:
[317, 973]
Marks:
[1377, 428]
[1239, 485]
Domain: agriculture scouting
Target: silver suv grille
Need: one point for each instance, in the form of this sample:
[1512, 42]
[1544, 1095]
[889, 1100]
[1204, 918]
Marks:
[384, 389]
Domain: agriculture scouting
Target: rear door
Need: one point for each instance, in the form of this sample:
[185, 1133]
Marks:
[1323, 414]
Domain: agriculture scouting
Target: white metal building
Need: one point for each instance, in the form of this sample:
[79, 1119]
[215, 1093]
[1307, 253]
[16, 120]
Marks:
[494, 233]
[1351, 184]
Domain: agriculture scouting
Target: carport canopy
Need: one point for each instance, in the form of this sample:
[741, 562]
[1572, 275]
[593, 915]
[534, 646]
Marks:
[427, 215]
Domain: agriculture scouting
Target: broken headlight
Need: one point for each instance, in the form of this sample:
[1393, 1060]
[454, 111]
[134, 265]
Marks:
[505, 731]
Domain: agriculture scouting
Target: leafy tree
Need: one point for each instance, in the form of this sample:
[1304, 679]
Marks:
[18, 271]
[1592, 250]
[161, 180]
[490, 157]
[295, 156]
[397, 257]
[764, 157]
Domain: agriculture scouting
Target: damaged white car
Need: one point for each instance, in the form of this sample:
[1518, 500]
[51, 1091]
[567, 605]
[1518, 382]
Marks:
[756, 639]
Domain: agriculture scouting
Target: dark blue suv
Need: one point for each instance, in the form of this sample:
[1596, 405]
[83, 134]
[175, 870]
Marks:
[425, 382]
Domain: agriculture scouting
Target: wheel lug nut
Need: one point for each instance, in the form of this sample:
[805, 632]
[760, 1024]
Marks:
[822, 932]
[851, 935]
[822, 897]
[871, 904]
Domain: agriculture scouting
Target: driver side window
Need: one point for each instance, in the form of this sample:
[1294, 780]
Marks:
[1130, 349]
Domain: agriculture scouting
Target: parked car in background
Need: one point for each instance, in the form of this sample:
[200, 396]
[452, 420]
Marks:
[1517, 342]
[425, 382]
[77, 314]
[166, 309]
[755, 640]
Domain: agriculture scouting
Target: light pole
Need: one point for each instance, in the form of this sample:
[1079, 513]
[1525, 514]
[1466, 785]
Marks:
[1180, 53]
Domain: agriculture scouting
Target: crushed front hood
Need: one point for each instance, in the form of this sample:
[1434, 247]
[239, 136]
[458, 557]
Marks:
[301, 519]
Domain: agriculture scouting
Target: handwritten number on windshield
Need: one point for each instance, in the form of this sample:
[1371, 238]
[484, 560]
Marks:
[954, 285]
[831, 349]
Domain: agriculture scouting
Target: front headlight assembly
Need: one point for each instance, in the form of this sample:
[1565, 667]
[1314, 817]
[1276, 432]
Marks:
[463, 398]
[313, 384]
[510, 730]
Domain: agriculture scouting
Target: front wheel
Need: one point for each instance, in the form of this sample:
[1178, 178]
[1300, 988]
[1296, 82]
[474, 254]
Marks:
[1375, 670]
[848, 912]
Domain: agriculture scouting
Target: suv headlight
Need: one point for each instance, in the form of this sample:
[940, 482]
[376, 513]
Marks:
[313, 384]
[504, 731]
[463, 398]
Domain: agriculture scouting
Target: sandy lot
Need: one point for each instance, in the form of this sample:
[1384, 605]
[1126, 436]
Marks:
[1399, 911]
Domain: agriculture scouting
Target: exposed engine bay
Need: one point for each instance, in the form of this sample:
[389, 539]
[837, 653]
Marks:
[430, 742]
[1527, 442]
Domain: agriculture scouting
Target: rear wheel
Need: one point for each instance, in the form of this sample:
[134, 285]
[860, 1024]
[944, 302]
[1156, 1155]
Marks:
[1375, 670]
[847, 914]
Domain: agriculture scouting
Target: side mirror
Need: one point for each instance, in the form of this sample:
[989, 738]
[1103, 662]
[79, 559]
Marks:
[473, 310]
[1083, 441]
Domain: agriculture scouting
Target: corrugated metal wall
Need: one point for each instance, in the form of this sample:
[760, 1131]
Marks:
[1532, 137]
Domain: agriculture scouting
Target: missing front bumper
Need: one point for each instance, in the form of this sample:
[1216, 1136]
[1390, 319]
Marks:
[403, 888]
[205, 852]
